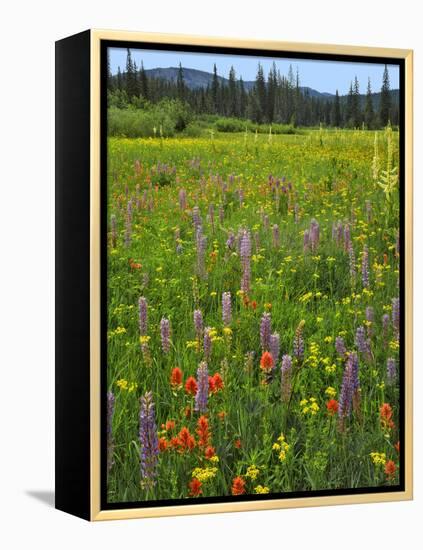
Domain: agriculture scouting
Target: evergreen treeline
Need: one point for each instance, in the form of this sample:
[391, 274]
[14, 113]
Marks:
[275, 99]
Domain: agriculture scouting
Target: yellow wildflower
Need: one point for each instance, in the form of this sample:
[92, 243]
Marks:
[261, 490]
[330, 392]
[379, 459]
[252, 472]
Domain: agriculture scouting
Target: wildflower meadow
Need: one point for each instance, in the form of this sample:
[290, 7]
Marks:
[253, 314]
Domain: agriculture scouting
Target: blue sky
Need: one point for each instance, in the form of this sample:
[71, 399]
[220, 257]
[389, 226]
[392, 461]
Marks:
[324, 76]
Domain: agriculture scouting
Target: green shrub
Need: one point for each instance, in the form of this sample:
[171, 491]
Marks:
[227, 124]
[194, 129]
[167, 117]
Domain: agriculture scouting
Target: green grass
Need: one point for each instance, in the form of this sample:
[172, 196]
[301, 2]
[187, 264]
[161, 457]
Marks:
[331, 180]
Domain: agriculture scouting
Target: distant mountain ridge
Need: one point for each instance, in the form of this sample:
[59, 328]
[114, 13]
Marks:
[195, 78]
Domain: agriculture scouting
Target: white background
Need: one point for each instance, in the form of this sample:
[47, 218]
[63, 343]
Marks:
[28, 32]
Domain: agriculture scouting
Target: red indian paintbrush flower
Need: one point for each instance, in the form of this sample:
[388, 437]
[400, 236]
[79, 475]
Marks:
[210, 452]
[390, 468]
[170, 425]
[238, 486]
[332, 406]
[162, 444]
[215, 383]
[176, 378]
[203, 431]
[195, 487]
[266, 361]
[191, 386]
[186, 440]
[386, 416]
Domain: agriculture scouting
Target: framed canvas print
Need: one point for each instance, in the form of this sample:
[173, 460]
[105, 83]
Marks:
[233, 275]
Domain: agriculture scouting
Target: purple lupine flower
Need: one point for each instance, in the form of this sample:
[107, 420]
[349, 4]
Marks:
[276, 236]
[265, 331]
[370, 317]
[129, 210]
[347, 392]
[306, 240]
[266, 221]
[221, 214]
[299, 342]
[386, 321]
[196, 217]
[113, 230]
[182, 199]
[238, 238]
[340, 346]
[274, 347]
[142, 315]
[347, 237]
[207, 343]
[165, 334]
[245, 253]
[314, 234]
[396, 316]
[198, 323]
[202, 394]
[362, 342]
[226, 308]
[339, 233]
[391, 370]
[353, 359]
[351, 255]
[149, 441]
[110, 442]
[286, 371]
[179, 249]
[365, 267]
[230, 243]
[201, 242]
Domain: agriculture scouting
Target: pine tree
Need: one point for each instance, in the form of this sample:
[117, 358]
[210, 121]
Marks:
[232, 94]
[290, 104]
[260, 92]
[119, 80]
[349, 107]
[356, 110]
[271, 93]
[242, 98]
[336, 111]
[385, 99]
[131, 79]
[297, 100]
[369, 114]
[215, 90]
[110, 82]
[143, 82]
[180, 83]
